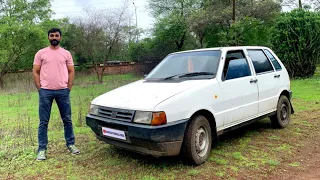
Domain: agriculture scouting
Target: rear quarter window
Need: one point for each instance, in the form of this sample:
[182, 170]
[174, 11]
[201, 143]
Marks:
[273, 60]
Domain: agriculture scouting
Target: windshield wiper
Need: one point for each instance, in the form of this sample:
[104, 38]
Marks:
[189, 75]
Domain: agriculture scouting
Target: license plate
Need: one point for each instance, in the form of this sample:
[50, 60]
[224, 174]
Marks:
[113, 133]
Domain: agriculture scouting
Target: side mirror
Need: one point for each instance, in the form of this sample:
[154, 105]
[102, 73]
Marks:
[145, 75]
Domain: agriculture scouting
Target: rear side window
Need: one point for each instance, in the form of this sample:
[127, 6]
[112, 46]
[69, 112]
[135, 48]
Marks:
[260, 61]
[274, 61]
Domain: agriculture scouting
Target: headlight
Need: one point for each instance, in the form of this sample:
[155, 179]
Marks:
[151, 118]
[94, 109]
[142, 117]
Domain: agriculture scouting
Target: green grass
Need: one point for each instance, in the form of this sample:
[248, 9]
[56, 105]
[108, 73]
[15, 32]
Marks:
[305, 92]
[219, 161]
[220, 174]
[238, 156]
[273, 162]
[193, 172]
[253, 150]
[295, 164]
[274, 137]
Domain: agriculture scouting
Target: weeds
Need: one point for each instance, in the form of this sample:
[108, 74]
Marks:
[193, 172]
[273, 162]
[295, 164]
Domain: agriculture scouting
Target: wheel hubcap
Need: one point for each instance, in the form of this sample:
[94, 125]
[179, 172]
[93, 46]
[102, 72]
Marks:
[284, 112]
[202, 141]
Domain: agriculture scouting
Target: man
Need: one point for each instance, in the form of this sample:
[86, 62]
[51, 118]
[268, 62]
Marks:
[53, 73]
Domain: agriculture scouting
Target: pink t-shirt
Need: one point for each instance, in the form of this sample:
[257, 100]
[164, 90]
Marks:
[54, 71]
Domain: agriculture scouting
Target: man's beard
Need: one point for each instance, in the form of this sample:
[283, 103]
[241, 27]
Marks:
[54, 42]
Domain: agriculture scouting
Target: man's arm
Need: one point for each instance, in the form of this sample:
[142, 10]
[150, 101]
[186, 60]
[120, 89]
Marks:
[36, 75]
[71, 76]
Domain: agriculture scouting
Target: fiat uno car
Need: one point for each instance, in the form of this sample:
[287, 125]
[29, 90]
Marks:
[190, 98]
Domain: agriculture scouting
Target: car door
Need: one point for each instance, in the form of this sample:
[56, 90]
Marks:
[281, 77]
[239, 91]
[267, 84]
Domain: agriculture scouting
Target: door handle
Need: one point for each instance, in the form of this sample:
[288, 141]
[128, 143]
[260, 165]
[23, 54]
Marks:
[253, 80]
[276, 75]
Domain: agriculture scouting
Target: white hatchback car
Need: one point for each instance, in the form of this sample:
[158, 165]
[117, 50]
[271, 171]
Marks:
[191, 98]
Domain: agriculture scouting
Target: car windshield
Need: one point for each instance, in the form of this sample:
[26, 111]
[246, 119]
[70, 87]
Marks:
[203, 64]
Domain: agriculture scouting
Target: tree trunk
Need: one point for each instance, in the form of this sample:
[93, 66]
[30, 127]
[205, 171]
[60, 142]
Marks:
[300, 4]
[2, 74]
[1, 82]
[96, 69]
[201, 42]
[234, 11]
[181, 43]
[101, 74]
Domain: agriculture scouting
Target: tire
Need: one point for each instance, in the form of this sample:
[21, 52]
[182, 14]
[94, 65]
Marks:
[197, 141]
[282, 117]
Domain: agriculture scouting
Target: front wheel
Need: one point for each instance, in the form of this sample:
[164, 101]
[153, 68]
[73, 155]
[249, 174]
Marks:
[197, 141]
[282, 117]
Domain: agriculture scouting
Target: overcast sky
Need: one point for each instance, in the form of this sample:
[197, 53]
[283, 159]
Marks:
[71, 8]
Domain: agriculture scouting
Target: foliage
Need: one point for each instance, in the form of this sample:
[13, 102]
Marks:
[209, 23]
[20, 36]
[173, 30]
[246, 32]
[107, 35]
[100, 36]
[296, 41]
[164, 8]
[140, 51]
[150, 49]
[172, 16]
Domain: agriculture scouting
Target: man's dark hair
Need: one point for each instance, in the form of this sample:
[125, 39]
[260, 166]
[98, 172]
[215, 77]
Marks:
[53, 30]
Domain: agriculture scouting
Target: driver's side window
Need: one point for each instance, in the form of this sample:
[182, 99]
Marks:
[236, 66]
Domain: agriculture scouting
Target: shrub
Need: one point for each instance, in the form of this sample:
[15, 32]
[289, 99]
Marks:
[296, 41]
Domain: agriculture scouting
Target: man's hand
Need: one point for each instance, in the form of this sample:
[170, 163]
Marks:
[71, 72]
[36, 75]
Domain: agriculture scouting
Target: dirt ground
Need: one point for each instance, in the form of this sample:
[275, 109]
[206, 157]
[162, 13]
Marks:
[308, 157]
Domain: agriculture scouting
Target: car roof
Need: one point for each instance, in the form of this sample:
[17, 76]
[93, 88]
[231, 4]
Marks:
[222, 49]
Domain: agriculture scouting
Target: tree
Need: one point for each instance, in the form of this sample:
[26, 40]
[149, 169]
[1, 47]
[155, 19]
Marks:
[234, 10]
[173, 15]
[172, 29]
[100, 32]
[20, 35]
[214, 24]
[296, 40]
[316, 4]
[144, 50]
[247, 31]
[306, 4]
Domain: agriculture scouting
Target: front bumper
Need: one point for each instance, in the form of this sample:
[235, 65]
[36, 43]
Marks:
[164, 140]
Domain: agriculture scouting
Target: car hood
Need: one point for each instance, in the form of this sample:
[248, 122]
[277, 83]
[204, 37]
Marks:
[143, 95]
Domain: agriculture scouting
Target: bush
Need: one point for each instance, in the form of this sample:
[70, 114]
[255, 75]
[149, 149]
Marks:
[248, 31]
[296, 41]
[149, 50]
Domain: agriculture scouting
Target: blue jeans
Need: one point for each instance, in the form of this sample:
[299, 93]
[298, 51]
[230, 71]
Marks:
[62, 98]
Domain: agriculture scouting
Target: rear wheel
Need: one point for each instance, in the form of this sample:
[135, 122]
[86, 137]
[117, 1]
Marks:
[282, 117]
[197, 141]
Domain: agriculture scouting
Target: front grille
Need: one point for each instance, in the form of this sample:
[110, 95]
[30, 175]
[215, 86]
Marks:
[116, 114]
